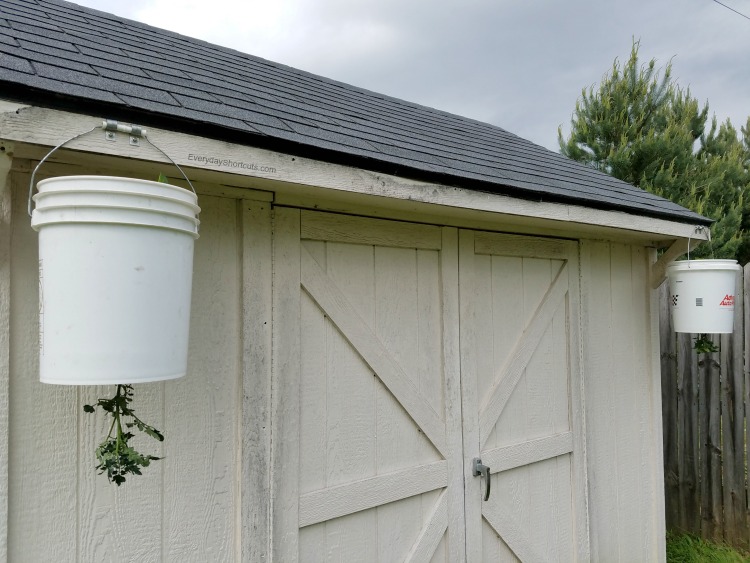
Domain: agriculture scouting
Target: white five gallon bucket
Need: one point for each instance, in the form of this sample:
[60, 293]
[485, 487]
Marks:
[701, 295]
[115, 278]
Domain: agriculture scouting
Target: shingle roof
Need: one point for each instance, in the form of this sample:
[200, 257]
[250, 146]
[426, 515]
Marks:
[59, 54]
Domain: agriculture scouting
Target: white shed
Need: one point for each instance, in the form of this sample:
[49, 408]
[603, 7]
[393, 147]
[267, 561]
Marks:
[382, 293]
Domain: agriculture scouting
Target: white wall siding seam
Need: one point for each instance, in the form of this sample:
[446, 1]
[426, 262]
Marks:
[6, 161]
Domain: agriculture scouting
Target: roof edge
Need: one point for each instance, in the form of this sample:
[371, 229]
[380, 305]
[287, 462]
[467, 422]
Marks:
[107, 110]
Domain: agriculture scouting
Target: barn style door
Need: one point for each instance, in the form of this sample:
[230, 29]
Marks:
[389, 379]
[521, 386]
[368, 444]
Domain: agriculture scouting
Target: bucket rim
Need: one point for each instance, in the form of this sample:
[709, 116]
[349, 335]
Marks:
[48, 223]
[94, 177]
[705, 264]
[111, 380]
[108, 215]
[40, 196]
[192, 218]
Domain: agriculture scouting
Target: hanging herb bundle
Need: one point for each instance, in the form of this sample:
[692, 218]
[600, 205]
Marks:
[115, 454]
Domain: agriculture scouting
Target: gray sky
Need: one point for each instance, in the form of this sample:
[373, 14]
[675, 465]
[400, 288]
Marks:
[519, 64]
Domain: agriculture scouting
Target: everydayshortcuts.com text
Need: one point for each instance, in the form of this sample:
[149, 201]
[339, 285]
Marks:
[228, 163]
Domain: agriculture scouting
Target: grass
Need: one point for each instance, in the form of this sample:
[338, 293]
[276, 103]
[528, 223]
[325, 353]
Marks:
[690, 549]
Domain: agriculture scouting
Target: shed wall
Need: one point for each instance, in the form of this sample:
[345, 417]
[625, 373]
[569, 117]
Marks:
[623, 405]
[184, 507]
[187, 506]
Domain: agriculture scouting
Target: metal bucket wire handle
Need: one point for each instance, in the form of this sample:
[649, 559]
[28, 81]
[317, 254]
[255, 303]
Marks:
[106, 125]
[698, 230]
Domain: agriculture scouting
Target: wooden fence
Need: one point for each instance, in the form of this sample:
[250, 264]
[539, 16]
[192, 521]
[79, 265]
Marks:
[704, 398]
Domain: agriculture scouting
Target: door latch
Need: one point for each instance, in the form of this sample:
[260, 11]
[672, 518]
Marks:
[479, 469]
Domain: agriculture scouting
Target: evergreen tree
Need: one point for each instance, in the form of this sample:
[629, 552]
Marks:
[641, 127]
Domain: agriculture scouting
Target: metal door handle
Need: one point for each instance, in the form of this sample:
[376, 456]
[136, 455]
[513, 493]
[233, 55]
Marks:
[478, 468]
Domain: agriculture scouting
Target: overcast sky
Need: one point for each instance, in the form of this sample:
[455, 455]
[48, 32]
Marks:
[519, 64]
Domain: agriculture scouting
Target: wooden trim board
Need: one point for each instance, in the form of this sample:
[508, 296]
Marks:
[47, 128]
[6, 161]
[255, 510]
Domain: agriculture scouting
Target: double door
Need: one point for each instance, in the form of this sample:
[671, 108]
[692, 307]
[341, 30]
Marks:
[405, 357]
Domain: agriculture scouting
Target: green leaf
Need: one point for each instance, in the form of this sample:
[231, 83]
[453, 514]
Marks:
[163, 179]
[704, 345]
[88, 408]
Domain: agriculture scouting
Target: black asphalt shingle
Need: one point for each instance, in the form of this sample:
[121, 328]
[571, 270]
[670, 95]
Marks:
[24, 37]
[16, 63]
[59, 54]
[4, 40]
[46, 84]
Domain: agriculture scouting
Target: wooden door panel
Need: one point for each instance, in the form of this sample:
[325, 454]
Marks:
[344, 539]
[544, 382]
[520, 379]
[532, 511]
[351, 538]
[377, 347]
[378, 436]
[386, 398]
[519, 375]
[493, 548]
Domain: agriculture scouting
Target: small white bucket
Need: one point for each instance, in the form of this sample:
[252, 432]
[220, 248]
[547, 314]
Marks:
[115, 279]
[701, 295]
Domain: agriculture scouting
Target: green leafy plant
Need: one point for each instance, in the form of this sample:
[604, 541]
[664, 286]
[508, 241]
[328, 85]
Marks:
[704, 345]
[115, 454]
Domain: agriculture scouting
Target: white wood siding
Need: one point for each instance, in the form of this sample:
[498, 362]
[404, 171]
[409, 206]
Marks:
[621, 392]
[184, 507]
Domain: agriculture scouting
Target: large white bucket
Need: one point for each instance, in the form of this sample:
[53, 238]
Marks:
[701, 295]
[115, 278]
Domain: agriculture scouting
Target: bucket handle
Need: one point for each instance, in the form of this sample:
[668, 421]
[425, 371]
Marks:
[106, 125]
[698, 230]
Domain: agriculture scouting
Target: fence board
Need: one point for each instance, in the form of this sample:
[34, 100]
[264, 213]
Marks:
[669, 410]
[739, 487]
[687, 423]
[704, 468]
[713, 369]
[728, 434]
[746, 381]
[706, 426]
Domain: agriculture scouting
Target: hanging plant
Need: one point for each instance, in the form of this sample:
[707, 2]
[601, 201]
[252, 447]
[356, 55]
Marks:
[115, 454]
[704, 345]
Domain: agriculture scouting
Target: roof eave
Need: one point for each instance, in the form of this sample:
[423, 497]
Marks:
[52, 100]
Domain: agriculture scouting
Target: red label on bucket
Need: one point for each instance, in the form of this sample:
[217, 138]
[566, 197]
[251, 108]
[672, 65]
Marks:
[728, 301]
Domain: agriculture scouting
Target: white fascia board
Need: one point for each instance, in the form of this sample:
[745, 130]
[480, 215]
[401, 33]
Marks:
[48, 127]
